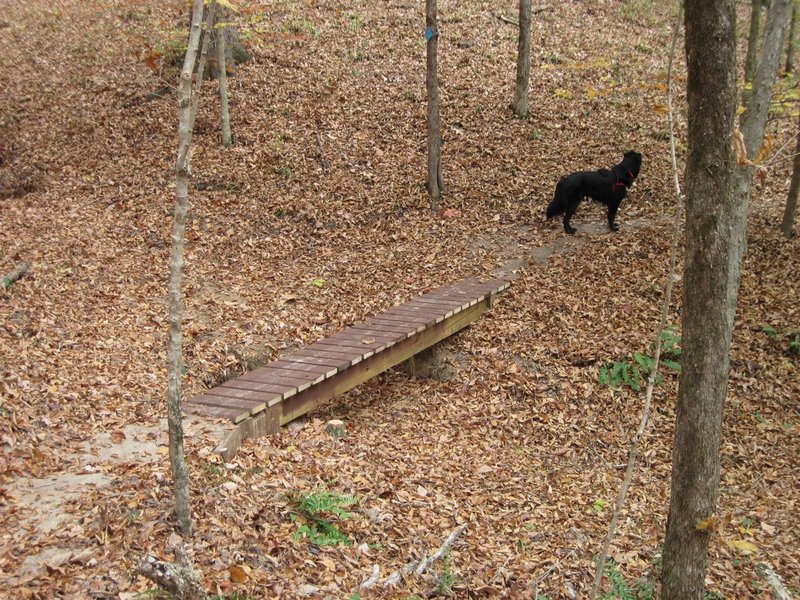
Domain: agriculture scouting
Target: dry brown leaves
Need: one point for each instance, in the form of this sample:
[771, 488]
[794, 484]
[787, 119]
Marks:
[318, 218]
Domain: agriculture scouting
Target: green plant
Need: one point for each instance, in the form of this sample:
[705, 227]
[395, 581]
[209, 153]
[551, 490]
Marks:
[637, 11]
[316, 508]
[619, 587]
[793, 337]
[633, 373]
[598, 505]
[447, 579]
[356, 22]
[770, 331]
[642, 589]
[303, 26]
[215, 475]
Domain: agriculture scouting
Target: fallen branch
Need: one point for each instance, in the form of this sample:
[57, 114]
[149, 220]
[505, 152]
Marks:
[773, 579]
[372, 579]
[544, 575]
[178, 578]
[413, 567]
[645, 417]
[424, 565]
[15, 274]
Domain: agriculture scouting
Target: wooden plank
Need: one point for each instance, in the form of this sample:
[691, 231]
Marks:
[218, 412]
[246, 384]
[320, 350]
[322, 361]
[214, 399]
[362, 355]
[276, 376]
[346, 380]
[308, 369]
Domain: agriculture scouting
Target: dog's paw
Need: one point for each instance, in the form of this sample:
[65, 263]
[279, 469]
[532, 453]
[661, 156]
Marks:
[570, 230]
[613, 226]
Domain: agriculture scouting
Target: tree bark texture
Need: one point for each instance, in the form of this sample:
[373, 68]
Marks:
[222, 80]
[794, 188]
[523, 60]
[753, 121]
[710, 288]
[178, 578]
[234, 52]
[790, 47]
[180, 472]
[752, 40]
[434, 185]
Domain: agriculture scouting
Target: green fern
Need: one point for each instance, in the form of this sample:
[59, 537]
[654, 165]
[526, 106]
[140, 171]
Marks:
[315, 509]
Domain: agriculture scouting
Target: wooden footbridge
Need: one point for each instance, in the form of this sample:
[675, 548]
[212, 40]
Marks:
[261, 401]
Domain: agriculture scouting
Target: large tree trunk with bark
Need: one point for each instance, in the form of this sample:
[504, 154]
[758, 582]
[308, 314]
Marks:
[710, 288]
[434, 184]
[523, 60]
[791, 202]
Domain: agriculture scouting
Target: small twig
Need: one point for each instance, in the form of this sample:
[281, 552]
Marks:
[634, 449]
[425, 564]
[419, 567]
[552, 568]
[15, 274]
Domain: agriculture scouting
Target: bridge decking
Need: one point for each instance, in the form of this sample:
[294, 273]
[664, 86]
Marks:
[298, 382]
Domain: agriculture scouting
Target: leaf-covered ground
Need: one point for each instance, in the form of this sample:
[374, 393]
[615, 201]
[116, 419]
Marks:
[326, 182]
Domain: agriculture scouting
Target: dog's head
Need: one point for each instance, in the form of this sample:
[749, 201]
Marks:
[633, 162]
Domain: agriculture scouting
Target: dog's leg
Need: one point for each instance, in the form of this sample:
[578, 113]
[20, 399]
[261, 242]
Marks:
[612, 216]
[571, 208]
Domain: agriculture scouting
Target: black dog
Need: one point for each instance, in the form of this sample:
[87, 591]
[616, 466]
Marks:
[606, 186]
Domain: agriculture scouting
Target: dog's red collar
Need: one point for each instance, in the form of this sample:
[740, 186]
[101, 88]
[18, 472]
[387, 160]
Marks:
[619, 183]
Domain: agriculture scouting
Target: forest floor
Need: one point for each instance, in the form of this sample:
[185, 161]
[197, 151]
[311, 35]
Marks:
[318, 218]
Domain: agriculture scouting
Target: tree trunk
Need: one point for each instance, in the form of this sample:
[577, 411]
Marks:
[754, 119]
[710, 288]
[752, 41]
[180, 472]
[523, 60]
[790, 46]
[222, 79]
[794, 187]
[434, 185]
[234, 52]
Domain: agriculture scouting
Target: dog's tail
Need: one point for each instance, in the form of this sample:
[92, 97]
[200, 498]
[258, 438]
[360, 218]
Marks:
[559, 204]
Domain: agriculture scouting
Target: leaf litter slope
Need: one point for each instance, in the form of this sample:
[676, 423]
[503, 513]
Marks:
[325, 185]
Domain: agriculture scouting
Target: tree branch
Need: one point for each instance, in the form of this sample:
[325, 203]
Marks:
[634, 449]
[13, 275]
